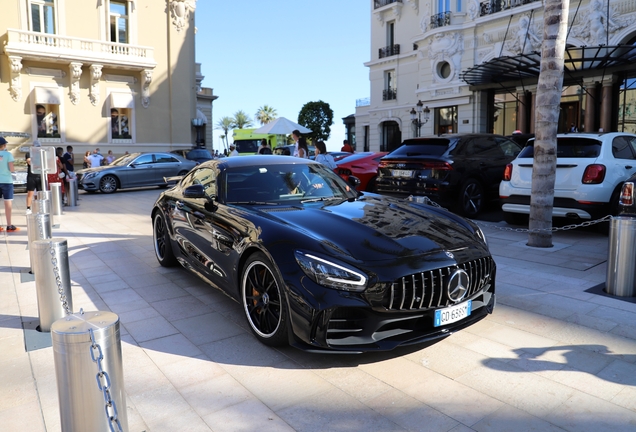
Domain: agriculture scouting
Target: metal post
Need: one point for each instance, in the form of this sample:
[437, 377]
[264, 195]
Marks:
[86, 345]
[71, 192]
[38, 228]
[43, 206]
[621, 262]
[56, 199]
[52, 281]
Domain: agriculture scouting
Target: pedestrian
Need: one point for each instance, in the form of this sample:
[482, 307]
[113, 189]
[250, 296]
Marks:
[346, 147]
[69, 159]
[87, 160]
[95, 160]
[6, 182]
[34, 181]
[323, 157]
[110, 157]
[573, 128]
[233, 151]
[60, 173]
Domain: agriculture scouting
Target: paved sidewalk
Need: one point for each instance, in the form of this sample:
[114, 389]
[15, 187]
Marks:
[556, 354]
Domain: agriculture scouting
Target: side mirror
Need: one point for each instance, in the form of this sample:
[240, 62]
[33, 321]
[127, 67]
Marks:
[353, 181]
[194, 191]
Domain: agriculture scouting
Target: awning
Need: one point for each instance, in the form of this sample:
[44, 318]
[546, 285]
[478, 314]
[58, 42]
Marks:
[121, 100]
[527, 66]
[202, 116]
[47, 95]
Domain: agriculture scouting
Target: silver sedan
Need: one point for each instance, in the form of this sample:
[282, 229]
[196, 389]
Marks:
[134, 170]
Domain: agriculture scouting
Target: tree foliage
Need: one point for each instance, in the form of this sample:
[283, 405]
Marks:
[242, 120]
[317, 116]
[225, 124]
[266, 114]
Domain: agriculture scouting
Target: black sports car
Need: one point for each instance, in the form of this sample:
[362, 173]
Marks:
[317, 264]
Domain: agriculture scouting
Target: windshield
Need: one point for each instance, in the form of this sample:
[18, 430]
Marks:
[575, 147]
[274, 184]
[125, 159]
[199, 153]
[430, 147]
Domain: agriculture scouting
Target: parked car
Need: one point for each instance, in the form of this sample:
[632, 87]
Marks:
[134, 170]
[627, 200]
[590, 170]
[270, 232]
[198, 154]
[363, 165]
[460, 171]
[20, 175]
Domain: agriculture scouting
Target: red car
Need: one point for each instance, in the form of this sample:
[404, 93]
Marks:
[362, 165]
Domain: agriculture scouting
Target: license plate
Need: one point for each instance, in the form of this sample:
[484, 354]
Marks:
[402, 173]
[452, 314]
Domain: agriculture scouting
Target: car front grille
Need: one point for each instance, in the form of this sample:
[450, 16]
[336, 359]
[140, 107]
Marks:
[425, 290]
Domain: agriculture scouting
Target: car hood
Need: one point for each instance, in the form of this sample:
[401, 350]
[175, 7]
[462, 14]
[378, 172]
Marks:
[380, 228]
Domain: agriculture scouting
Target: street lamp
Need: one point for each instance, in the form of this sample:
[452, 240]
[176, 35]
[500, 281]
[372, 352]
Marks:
[416, 116]
[197, 123]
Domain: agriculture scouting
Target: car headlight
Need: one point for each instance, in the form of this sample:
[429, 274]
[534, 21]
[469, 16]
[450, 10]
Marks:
[89, 175]
[331, 275]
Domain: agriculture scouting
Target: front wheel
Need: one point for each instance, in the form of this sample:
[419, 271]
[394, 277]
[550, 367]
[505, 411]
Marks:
[471, 198]
[161, 240]
[108, 184]
[263, 301]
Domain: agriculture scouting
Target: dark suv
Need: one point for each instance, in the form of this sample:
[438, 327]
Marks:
[457, 171]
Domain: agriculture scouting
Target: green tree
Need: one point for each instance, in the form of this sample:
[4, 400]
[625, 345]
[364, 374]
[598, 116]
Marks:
[266, 114]
[549, 88]
[225, 124]
[317, 116]
[242, 120]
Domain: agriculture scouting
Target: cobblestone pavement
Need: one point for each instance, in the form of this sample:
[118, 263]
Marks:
[556, 355]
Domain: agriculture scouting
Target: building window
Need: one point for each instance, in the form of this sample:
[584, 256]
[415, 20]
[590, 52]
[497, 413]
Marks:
[390, 92]
[119, 123]
[446, 120]
[43, 16]
[118, 24]
[47, 116]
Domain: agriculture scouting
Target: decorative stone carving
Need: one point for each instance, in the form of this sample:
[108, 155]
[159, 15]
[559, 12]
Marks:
[424, 23]
[473, 9]
[180, 10]
[446, 47]
[15, 87]
[596, 22]
[146, 78]
[96, 75]
[76, 74]
[526, 38]
[415, 4]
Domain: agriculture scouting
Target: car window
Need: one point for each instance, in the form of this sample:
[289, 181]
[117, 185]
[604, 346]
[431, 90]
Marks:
[203, 176]
[575, 147]
[483, 147]
[433, 147]
[622, 148]
[199, 154]
[144, 159]
[165, 158]
[508, 147]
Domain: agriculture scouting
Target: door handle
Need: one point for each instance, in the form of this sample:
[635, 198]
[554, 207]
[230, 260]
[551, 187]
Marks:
[628, 167]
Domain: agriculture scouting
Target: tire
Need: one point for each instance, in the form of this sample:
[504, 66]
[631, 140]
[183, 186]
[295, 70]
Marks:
[471, 198]
[108, 184]
[161, 241]
[263, 301]
[182, 173]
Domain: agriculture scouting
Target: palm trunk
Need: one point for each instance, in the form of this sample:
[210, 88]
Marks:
[555, 20]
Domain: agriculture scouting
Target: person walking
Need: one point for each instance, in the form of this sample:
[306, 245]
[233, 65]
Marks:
[323, 157]
[6, 182]
[69, 159]
[34, 181]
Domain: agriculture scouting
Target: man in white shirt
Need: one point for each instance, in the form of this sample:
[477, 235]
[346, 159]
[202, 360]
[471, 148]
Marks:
[233, 151]
[96, 159]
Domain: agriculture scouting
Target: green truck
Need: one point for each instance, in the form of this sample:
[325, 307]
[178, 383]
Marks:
[247, 142]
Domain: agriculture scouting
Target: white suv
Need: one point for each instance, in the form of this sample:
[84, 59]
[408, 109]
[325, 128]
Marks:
[591, 168]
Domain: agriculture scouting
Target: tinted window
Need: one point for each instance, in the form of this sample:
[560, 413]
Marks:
[164, 158]
[144, 159]
[247, 146]
[202, 176]
[199, 153]
[483, 147]
[621, 148]
[508, 147]
[569, 148]
[434, 147]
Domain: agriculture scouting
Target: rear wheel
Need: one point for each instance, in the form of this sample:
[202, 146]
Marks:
[161, 240]
[108, 184]
[263, 301]
[471, 198]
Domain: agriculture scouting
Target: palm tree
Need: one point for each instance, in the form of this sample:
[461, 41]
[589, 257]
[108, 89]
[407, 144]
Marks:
[266, 114]
[225, 124]
[549, 88]
[241, 120]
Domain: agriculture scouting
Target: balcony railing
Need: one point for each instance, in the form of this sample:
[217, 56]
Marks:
[389, 51]
[389, 94]
[51, 47]
[440, 20]
[494, 6]
[380, 3]
[363, 102]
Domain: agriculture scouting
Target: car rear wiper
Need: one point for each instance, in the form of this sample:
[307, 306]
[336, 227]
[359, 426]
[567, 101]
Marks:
[253, 202]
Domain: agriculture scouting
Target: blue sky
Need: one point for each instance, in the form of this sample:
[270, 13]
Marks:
[284, 53]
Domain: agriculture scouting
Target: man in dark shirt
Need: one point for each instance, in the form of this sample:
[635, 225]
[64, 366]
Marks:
[34, 181]
[69, 159]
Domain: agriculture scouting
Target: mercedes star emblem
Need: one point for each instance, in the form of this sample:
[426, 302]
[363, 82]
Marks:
[458, 285]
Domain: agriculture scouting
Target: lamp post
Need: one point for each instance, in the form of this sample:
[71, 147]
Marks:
[197, 123]
[416, 116]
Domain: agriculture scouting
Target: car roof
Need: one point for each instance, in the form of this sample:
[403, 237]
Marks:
[251, 160]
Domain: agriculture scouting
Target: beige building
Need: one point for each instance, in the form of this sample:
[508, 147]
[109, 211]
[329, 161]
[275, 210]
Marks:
[474, 65]
[114, 74]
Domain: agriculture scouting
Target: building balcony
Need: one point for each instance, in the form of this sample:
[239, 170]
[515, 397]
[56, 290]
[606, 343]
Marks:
[389, 51]
[389, 94]
[440, 20]
[493, 6]
[380, 3]
[64, 49]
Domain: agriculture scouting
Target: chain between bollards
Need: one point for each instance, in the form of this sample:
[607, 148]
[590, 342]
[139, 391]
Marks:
[103, 383]
[58, 279]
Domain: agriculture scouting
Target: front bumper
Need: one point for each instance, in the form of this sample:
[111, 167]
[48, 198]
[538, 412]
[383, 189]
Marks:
[562, 207]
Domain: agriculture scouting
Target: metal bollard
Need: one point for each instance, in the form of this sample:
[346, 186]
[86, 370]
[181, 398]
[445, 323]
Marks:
[52, 281]
[621, 262]
[43, 206]
[84, 345]
[43, 195]
[38, 228]
[56, 199]
[71, 192]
